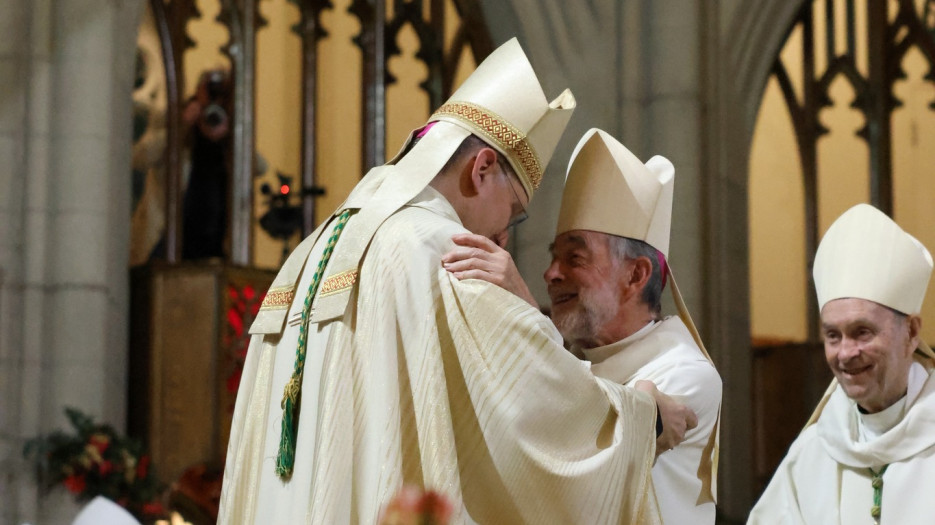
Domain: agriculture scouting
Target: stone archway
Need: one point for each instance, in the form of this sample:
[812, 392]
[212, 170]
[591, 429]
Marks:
[747, 46]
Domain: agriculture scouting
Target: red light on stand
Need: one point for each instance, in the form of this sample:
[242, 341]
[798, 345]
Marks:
[284, 189]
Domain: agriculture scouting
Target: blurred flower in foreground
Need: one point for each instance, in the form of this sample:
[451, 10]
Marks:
[415, 506]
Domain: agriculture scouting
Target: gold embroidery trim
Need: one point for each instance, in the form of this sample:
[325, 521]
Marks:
[500, 131]
[338, 283]
[278, 298]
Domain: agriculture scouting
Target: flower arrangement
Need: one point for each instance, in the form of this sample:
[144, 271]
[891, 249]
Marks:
[96, 460]
[415, 506]
[243, 305]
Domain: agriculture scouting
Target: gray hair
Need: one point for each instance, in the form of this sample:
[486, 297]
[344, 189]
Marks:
[626, 249]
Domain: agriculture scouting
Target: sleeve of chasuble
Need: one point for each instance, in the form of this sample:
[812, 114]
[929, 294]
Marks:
[506, 420]
[566, 446]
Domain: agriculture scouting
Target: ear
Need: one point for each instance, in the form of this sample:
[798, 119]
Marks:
[483, 167]
[915, 332]
[637, 275]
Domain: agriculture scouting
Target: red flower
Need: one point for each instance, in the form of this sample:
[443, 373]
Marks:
[153, 508]
[413, 506]
[100, 441]
[435, 507]
[235, 321]
[105, 467]
[142, 468]
[248, 292]
[233, 381]
[75, 483]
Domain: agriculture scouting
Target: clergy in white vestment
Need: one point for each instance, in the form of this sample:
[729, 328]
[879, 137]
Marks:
[867, 454]
[371, 368]
[605, 281]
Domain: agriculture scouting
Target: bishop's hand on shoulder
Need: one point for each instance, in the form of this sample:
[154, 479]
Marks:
[677, 419]
[477, 257]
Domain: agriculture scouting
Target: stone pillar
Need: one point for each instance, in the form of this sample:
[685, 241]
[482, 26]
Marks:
[19, 142]
[66, 69]
[742, 42]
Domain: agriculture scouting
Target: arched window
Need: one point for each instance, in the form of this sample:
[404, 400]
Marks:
[317, 90]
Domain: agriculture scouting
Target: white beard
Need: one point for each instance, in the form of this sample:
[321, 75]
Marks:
[594, 310]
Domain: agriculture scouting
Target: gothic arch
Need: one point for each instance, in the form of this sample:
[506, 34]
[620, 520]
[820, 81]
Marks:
[739, 69]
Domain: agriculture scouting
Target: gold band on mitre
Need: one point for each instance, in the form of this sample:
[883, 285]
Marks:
[503, 104]
[494, 128]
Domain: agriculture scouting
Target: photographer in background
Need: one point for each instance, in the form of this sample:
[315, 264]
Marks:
[206, 115]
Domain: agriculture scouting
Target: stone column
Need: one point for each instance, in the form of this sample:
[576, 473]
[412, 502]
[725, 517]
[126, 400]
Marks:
[742, 40]
[23, 146]
[65, 116]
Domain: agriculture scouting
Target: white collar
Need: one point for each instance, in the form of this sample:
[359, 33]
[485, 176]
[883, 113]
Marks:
[871, 426]
[905, 429]
[600, 353]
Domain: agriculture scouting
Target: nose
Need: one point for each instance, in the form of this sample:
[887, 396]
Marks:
[849, 349]
[552, 273]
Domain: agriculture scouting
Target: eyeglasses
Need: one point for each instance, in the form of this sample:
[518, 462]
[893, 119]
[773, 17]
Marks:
[522, 215]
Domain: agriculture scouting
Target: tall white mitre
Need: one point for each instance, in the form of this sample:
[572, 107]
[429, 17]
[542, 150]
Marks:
[609, 190]
[865, 255]
[503, 103]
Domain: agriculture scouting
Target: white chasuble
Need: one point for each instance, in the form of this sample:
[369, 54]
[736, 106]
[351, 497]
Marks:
[825, 477]
[666, 354]
[458, 387]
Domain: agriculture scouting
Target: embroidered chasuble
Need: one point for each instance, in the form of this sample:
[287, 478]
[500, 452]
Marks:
[666, 354]
[458, 387]
[825, 478]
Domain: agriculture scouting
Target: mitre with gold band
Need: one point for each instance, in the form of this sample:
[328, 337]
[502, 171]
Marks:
[609, 190]
[866, 255]
[502, 102]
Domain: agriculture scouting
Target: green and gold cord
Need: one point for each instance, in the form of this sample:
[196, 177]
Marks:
[876, 481]
[285, 460]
